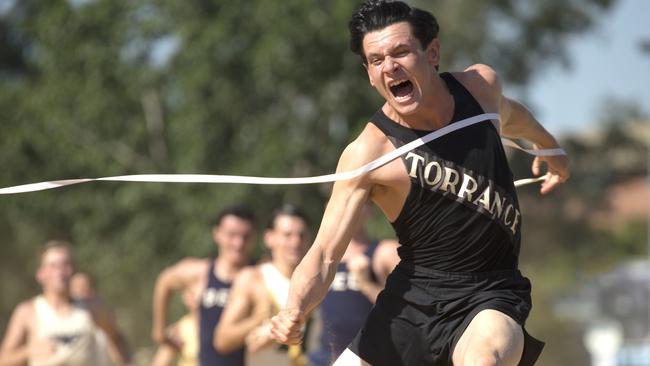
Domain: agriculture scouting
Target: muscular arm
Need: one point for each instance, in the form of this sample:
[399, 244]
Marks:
[518, 122]
[15, 350]
[185, 273]
[244, 311]
[314, 274]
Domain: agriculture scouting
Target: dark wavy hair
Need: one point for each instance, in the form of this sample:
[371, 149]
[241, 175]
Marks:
[287, 210]
[240, 211]
[378, 14]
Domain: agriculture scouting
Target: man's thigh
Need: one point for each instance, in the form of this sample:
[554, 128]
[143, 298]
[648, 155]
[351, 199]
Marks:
[490, 335]
[349, 358]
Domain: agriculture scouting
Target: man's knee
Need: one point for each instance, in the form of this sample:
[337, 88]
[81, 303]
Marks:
[484, 359]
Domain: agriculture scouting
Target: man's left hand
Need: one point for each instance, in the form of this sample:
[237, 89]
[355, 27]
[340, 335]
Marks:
[557, 170]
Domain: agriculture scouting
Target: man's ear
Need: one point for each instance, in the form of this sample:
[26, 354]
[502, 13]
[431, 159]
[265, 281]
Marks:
[215, 234]
[433, 52]
[39, 276]
[268, 239]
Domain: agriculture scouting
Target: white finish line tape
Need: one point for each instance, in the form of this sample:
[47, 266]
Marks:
[209, 178]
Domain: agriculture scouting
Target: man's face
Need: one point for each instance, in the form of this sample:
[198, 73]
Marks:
[55, 270]
[234, 237]
[398, 67]
[81, 287]
[288, 240]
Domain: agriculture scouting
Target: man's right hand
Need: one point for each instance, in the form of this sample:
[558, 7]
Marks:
[287, 326]
[166, 337]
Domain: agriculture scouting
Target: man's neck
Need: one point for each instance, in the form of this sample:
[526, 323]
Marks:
[285, 269]
[225, 270]
[57, 300]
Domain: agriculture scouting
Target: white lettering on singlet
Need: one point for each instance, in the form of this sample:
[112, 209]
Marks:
[435, 176]
[214, 297]
[344, 281]
[450, 181]
[414, 165]
[427, 173]
[468, 187]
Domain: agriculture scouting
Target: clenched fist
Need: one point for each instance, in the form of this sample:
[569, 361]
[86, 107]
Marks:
[287, 326]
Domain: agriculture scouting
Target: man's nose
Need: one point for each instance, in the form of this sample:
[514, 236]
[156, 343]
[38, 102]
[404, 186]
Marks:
[390, 65]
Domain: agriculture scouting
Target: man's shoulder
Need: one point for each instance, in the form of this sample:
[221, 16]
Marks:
[482, 82]
[189, 268]
[481, 74]
[249, 280]
[369, 145]
[249, 276]
[26, 310]
[479, 77]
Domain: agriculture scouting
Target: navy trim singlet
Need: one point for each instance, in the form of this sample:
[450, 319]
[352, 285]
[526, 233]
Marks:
[344, 308]
[462, 212]
[212, 304]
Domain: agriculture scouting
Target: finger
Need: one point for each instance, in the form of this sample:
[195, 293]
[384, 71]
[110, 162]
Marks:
[550, 184]
[284, 328]
[281, 336]
[294, 315]
[292, 330]
[536, 167]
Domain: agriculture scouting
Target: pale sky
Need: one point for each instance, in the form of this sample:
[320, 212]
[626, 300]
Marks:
[606, 62]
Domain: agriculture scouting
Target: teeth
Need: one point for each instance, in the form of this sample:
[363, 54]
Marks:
[393, 83]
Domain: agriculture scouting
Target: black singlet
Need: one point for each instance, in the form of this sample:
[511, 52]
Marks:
[461, 213]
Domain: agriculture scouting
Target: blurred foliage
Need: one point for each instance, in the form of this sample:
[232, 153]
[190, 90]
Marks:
[564, 243]
[92, 88]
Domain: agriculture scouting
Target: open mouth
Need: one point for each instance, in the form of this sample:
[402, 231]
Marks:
[402, 89]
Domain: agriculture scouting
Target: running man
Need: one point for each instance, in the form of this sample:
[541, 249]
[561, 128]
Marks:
[233, 233]
[457, 296]
[259, 292]
[53, 330]
[359, 278]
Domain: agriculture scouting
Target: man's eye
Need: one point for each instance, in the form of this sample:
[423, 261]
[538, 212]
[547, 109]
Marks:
[402, 53]
[375, 61]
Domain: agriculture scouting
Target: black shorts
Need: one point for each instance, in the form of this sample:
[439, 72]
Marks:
[421, 314]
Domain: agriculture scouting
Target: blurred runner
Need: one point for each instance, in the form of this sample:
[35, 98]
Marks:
[52, 329]
[233, 233]
[261, 291]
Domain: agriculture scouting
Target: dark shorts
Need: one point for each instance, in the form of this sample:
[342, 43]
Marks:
[421, 314]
